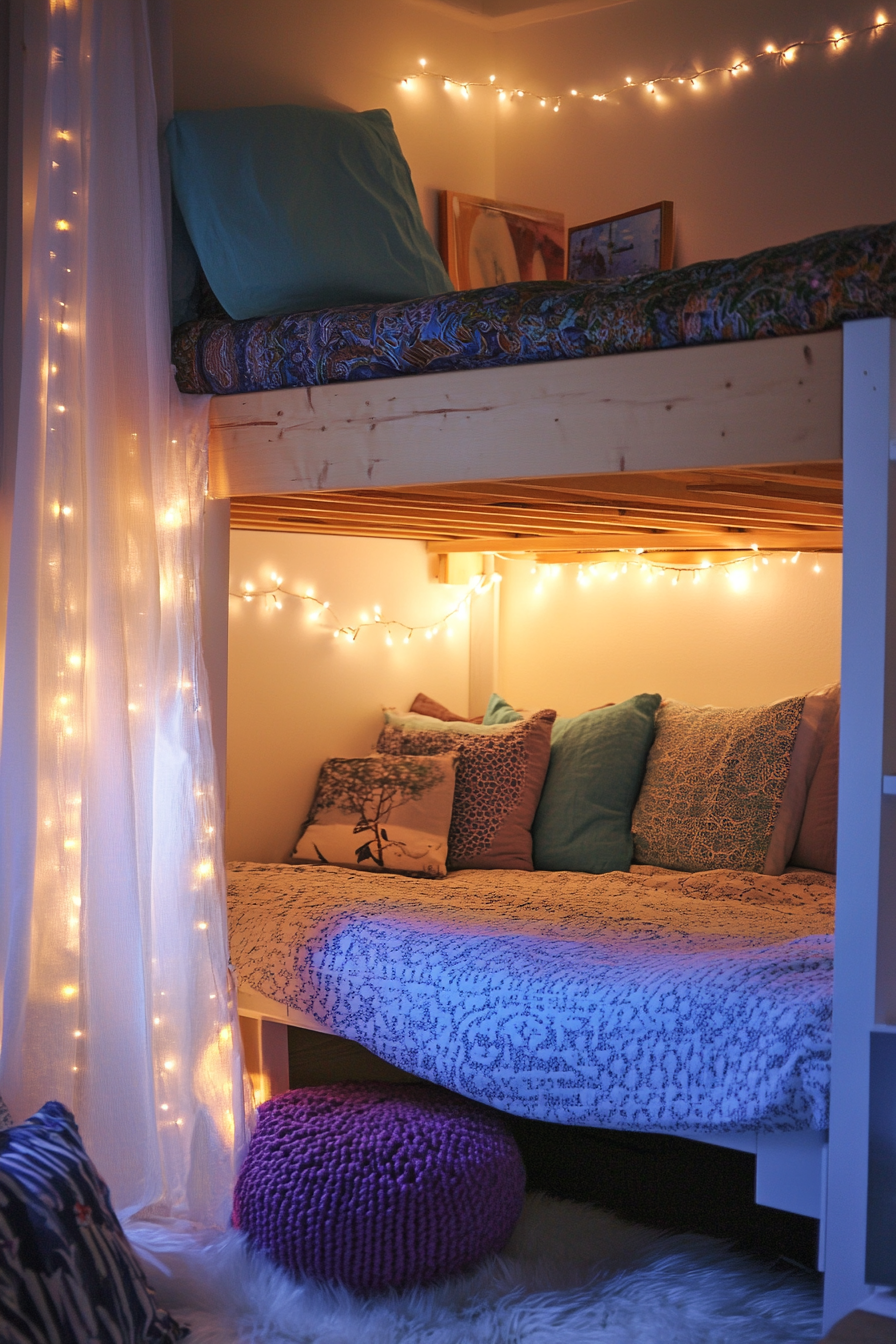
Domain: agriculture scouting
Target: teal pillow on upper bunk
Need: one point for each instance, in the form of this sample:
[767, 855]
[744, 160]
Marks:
[295, 208]
[584, 820]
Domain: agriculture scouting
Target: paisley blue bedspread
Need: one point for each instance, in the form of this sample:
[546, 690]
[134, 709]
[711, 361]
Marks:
[808, 286]
[642, 1000]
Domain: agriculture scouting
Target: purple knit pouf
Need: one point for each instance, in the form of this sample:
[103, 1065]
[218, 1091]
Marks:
[378, 1185]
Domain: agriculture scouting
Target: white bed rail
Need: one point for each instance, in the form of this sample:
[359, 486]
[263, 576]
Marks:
[865, 965]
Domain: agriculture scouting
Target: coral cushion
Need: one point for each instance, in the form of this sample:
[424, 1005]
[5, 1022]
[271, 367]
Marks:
[424, 704]
[378, 1185]
[816, 845]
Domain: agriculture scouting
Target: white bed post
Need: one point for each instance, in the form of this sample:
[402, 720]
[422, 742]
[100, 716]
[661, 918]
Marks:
[485, 609]
[864, 981]
[215, 616]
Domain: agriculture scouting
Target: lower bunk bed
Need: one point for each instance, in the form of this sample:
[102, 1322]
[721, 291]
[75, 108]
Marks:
[654, 1001]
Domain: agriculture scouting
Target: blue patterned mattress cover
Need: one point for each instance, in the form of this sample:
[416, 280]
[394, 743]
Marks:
[808, 286]
[686, 1002]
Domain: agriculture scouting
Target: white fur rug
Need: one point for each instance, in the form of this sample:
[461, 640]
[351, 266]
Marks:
[571, 1274]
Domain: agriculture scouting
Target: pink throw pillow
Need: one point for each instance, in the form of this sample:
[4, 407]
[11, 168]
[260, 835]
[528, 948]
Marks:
[424, 704]
[820, 713]
[816, 846]
[498, 785]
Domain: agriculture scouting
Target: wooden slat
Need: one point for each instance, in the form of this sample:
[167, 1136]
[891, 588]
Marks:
[428, 517]
[702, 407]
[791, 539]
[801, 505]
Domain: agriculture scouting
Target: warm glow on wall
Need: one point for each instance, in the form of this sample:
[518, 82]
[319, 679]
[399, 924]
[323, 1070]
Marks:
[738, 569]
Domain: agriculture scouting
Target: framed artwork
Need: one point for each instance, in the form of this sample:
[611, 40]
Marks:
[622, 245]
[485, 242]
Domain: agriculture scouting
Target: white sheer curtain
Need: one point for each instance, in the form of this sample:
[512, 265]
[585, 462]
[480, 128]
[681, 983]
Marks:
[113, 942]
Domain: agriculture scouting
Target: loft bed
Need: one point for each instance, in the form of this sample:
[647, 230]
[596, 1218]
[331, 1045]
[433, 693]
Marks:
[717, 447]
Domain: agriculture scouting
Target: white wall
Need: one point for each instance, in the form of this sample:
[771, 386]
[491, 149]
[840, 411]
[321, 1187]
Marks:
[764, 158]
[350, 54]
[768, 157]
[570, 647]
[297, 695]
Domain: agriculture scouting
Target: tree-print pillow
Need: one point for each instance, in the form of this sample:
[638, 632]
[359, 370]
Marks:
[381, 813]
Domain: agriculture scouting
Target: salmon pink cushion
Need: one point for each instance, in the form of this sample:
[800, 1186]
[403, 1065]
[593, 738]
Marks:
[820, 713]
[816, 845]
[424, 704]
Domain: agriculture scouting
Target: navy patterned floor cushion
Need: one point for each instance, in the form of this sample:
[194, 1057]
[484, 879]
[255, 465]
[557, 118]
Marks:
[67, 1272]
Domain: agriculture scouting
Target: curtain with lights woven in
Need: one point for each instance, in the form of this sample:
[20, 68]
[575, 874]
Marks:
[113, 943]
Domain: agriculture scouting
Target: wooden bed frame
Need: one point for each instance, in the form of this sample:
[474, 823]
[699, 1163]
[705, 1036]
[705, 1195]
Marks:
[710, 448]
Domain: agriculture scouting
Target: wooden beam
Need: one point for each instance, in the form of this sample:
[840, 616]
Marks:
[787, 539]
[701, 407]
[436, 517]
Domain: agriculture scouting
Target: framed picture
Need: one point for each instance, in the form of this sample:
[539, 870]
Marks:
[622, 245]
[485, 242]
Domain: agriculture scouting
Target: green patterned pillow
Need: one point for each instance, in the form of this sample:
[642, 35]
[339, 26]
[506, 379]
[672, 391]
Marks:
[713, 785]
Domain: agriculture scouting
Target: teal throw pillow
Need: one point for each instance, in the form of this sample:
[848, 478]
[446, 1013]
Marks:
[584, 820]
[295, 208]
[499, 711]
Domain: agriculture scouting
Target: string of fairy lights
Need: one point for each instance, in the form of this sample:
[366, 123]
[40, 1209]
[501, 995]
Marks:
[636, 562]
[737, 568]
[394, 630]
[838, 39]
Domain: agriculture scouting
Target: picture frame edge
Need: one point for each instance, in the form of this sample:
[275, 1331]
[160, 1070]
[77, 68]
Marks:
[447, 244]
[667, 236]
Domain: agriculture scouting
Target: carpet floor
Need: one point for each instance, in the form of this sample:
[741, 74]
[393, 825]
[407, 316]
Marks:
[571, 1274]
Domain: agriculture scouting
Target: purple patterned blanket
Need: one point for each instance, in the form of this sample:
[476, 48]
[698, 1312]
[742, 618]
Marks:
[807, 286]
